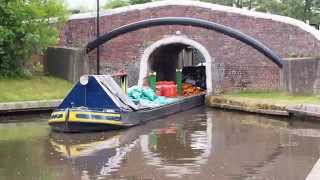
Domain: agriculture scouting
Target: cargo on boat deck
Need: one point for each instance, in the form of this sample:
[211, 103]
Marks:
[145, 96]
[97, 103]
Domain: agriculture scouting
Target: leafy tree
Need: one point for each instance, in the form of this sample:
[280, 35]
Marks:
[272, 6]
[139, 1]
[305, 10]
[27, 27]
[222, 2]
[111, 4]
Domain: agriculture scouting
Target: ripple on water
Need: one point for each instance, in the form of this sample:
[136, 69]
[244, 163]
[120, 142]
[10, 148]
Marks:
[197, 144]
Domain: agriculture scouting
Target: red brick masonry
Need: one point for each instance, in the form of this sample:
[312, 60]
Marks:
[239, 66]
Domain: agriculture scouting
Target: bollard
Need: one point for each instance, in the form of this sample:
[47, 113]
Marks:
[152, 80]
[179, 80]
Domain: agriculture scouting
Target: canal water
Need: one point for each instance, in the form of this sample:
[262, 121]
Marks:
[198, 144]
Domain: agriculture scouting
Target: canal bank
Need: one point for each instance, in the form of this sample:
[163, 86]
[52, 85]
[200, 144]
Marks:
[23, 107]
[31, 94]
[266, 103]
[292, 108]
[222, 102]
[211, 101]
[218, 102]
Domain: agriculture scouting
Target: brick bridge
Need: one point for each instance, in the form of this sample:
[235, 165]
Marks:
[230, 64]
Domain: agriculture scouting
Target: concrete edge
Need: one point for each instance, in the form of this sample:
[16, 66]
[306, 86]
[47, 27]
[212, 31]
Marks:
[304, 113]
[224, 103]
[250, 110]
[29, 106]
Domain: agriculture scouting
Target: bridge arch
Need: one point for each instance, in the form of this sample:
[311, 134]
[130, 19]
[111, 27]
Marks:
[237, 66]
[144, 63]
[187, 22]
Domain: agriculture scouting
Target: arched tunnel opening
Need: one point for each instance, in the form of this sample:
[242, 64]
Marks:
[167, 59]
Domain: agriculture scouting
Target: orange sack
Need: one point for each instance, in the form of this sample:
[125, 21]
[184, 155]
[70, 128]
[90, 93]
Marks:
[190, 90]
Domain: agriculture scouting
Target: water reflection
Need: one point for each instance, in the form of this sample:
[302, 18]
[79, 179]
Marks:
[73, 146]
[181, 148]
[22, 152]
[175, 147]
[94, 154]
[197, 144]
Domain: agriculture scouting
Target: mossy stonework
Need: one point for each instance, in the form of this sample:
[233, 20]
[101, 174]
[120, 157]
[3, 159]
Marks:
[247, 106]
[305, 107]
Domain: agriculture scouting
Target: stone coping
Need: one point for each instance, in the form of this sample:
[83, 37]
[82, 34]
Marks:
[300, 58]
[251, 110]
[6, 107]
[305, 111]
[267, 109]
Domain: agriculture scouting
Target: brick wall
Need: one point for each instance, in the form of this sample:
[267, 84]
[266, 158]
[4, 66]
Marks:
[239, 65]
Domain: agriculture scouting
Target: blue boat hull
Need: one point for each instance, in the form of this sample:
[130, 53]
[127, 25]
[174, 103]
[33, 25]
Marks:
[85, 120]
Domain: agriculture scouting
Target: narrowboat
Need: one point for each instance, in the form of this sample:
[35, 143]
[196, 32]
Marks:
[100, 154]
[98, 103]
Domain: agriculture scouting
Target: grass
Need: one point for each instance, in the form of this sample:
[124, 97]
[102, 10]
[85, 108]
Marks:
[273, 97]
[33, 88]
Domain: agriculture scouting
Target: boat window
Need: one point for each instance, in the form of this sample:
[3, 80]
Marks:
[98, 117]
[104, 117]
[83, 116]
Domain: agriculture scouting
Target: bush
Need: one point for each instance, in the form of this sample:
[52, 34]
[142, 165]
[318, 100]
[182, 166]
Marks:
[26, 28]
[115, 4]
[111, 4]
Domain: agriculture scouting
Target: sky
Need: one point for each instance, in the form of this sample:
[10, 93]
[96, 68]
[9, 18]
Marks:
[83, 4]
